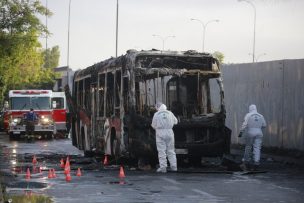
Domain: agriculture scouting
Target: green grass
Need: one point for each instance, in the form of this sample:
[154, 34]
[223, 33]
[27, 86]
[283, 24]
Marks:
[29, 198]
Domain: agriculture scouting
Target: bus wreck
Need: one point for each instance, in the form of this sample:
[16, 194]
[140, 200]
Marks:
[112, 104]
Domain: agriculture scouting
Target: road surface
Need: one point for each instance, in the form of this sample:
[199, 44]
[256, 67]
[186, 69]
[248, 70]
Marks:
[277, 183]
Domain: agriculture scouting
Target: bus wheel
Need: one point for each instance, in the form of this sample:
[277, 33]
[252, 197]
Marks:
[195, 160]
[88, 153]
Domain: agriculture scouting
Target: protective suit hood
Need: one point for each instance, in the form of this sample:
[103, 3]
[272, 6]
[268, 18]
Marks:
[162, 107]
[252, 108]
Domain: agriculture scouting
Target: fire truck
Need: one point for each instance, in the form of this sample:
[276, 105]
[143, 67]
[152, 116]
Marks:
[20, 102]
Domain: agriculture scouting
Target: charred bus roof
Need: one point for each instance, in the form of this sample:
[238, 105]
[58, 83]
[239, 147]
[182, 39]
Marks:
[176, 60]
[163, 62]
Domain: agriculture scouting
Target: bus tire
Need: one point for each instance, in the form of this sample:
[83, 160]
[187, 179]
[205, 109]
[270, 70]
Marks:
[195, 160]
[88, 153]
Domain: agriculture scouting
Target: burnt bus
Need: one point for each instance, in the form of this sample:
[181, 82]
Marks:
[113, 103]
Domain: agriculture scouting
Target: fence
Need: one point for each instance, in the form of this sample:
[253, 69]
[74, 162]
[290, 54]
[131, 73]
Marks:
[276, 87]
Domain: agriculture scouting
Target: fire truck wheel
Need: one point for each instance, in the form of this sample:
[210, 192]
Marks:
[29, 138]
[48, 136]
[12, 136]
[66, 135]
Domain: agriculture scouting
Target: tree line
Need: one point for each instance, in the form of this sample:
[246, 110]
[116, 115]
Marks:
[24, 64]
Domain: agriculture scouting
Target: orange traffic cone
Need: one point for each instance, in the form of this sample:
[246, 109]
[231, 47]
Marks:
[50, 175]
[28, 193]
[67, 168]
[61, 163]
[34, 161]
[105, 160]
[54, 173]
[68, 177]
[78, 172]
[122, 182]
[34, 169]
[28, 174]
[121, 172]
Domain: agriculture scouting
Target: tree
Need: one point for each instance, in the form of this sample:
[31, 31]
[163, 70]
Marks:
[21, 57]
[219, 55]
[51, 57]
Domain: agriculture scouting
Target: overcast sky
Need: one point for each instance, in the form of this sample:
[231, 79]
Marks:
[279, 28]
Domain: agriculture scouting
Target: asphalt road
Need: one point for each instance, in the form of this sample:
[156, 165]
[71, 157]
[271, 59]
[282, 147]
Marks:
[278, 182]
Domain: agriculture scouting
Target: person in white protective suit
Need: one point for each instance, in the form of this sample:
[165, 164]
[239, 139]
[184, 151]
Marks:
[163, 122]
[252, 130]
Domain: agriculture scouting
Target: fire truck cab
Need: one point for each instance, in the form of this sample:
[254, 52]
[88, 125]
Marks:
[20, 102]
[60, 113]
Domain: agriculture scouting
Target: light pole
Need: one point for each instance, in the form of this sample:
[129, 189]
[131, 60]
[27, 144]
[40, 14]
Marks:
[204, 29]
[46, 34]
[68, 51]
[46, 25]
[163, 39]
[116, 28]
[254, 23]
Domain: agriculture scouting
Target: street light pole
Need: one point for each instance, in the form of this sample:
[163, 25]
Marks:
[254, 24]
[204, 29]
[163, 39]
[46, 25]
[68, 51]
[46, 34]
[116, 28]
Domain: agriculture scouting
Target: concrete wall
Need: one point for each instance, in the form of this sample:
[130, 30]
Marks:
[64, 79]
[276, 87]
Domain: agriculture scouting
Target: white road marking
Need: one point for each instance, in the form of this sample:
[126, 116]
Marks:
[208, 197]
[171, 181]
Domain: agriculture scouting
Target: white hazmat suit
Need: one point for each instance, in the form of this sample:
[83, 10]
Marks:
[163, 122]
[252, 129]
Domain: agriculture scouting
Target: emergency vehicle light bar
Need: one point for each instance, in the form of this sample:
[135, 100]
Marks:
[30, 92]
